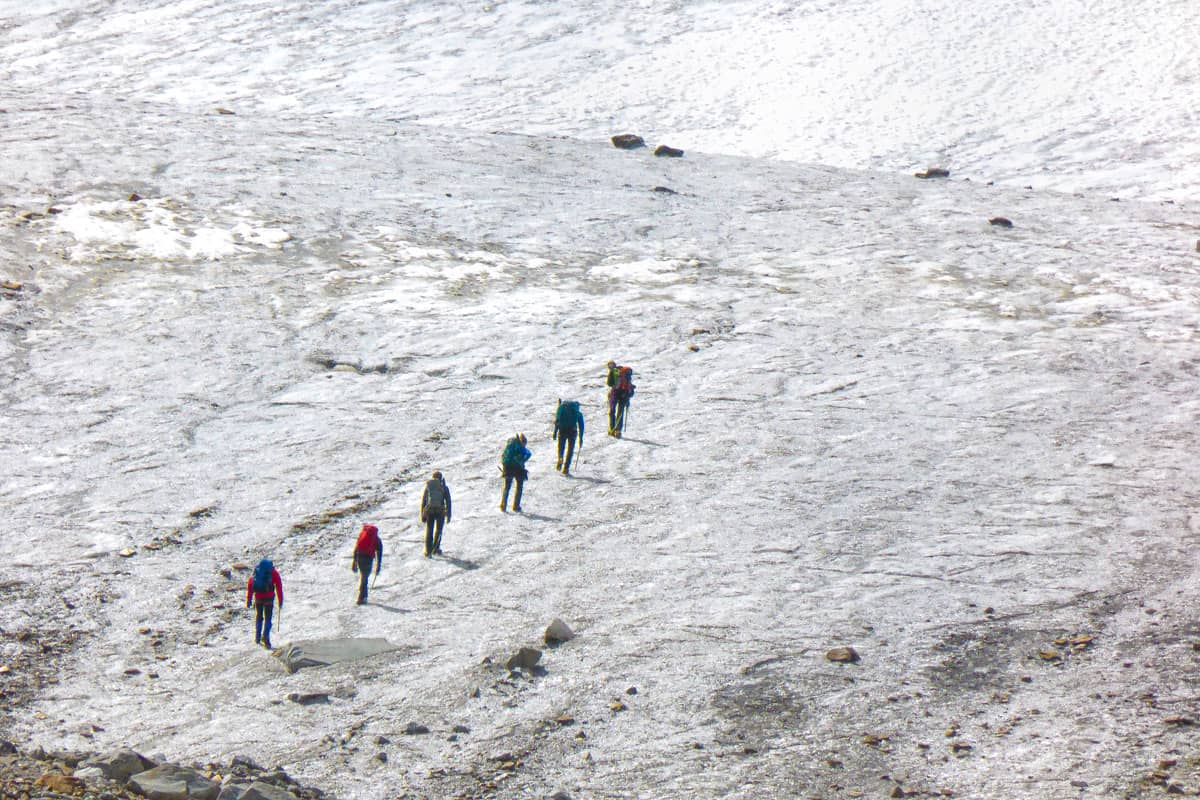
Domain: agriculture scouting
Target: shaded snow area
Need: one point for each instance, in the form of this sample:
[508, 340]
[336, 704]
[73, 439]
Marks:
[865, 417]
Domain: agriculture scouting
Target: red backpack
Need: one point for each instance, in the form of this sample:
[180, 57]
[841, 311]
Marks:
[625, 381]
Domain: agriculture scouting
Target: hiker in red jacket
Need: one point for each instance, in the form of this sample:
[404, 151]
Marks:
[369, 548]
[261, 590]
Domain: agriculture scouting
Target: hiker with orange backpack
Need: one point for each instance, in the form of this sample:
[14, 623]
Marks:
[620, 389]
[367, 550]
[261, 590]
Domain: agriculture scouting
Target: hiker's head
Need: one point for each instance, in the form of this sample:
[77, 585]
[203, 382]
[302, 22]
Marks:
[521, 438]
[371, 529]
[612, 364]
[437, 475]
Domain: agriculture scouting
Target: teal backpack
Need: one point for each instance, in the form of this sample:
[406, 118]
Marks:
[567, 416]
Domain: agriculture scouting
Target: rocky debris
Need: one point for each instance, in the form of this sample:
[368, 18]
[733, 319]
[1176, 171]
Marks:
[628, 141]
[666, 151]
[843, 655]
[1001, 222]
[664, 190]
[526, 658]
[558, 632]
[415, 729]
[29, 773]
[933, 172]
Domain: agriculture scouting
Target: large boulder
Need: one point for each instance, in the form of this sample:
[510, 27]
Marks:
[171, 782]
[120, 765]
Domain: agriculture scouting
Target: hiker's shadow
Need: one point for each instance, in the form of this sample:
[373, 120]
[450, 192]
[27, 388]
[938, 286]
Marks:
[389, 609]
[461, 563]
[541, 517]
[589, 479]
[646, 442]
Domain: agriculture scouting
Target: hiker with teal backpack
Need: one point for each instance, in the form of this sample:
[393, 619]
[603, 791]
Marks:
[568, 423]
[435, 512]
[512, 464]
[261, 590]
[620, 389]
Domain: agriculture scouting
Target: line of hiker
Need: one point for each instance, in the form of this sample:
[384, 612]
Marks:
[265, 587]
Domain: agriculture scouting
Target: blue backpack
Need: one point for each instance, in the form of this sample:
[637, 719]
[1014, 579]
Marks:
[513, 453]
[567, 417]
[262, 576]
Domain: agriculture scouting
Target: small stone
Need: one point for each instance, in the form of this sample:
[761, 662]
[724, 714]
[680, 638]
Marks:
[415, 729]
[843, 655]
[1001, 222]
[666, 151]
[933, 172]
[381, 756]
[632, 690]
[617, 706]
[628, 141]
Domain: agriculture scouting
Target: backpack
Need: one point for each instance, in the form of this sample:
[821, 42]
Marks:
[435, 502]
[513, 453]
[625, 381]
[262, 576]
[567, 416]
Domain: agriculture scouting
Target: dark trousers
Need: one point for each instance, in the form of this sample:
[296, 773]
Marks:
[263, 611]
[618, 404]
[566, 441]
[512, 473]
[364, 574]
[433, 532]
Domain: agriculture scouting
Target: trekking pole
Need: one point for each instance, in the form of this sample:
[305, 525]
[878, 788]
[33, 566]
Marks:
[279, 622]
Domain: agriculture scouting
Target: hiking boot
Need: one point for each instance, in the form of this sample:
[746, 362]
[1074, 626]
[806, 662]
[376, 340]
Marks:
[362, 601]
[267, 644]
[437, 552]
[517, 509]
[427, 554]
[504, 506]
[559, 464]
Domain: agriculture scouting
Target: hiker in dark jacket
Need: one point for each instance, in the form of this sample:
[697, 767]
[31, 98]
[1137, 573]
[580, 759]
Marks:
[261, 591]
[620, 389]
[367, 550]
[568, 423]
[435, 512]
[512, 463]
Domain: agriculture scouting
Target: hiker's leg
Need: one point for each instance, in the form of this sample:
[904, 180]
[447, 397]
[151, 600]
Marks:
[570, 455]
[430, 519]
[562, 443]
[258, 622]
[612, 410]
[437, 534]
[517, 497]
[364, 576]
[508, 479]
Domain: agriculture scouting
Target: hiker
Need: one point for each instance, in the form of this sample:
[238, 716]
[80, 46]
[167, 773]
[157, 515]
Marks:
[512, 463]
[261, 590]
[435, 512]
[568, 422]
[368, 549]
[620, 389]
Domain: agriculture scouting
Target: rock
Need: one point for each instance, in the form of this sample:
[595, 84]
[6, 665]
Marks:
[664, 190]
[1000, 222]
[90, 774]
[933, 172]
[415, 729]
[7, 748]
[62, 784]
[628, 141]
[121, 765]
[243, 763]
[133, 198]
[308, 698]
[171, 782]
[558, 632]
[843, 655]
[225, 112]
[461, 729]
[260, 790]
[525, 658]
[381, 757]
[232, 791]
[667, 151]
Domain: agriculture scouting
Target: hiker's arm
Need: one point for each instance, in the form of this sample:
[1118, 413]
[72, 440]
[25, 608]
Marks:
[448, 505]
[379, 555]
[275, 579]
[249, 592]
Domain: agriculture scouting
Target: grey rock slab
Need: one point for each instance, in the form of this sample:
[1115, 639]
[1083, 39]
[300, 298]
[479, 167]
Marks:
[170, 782]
